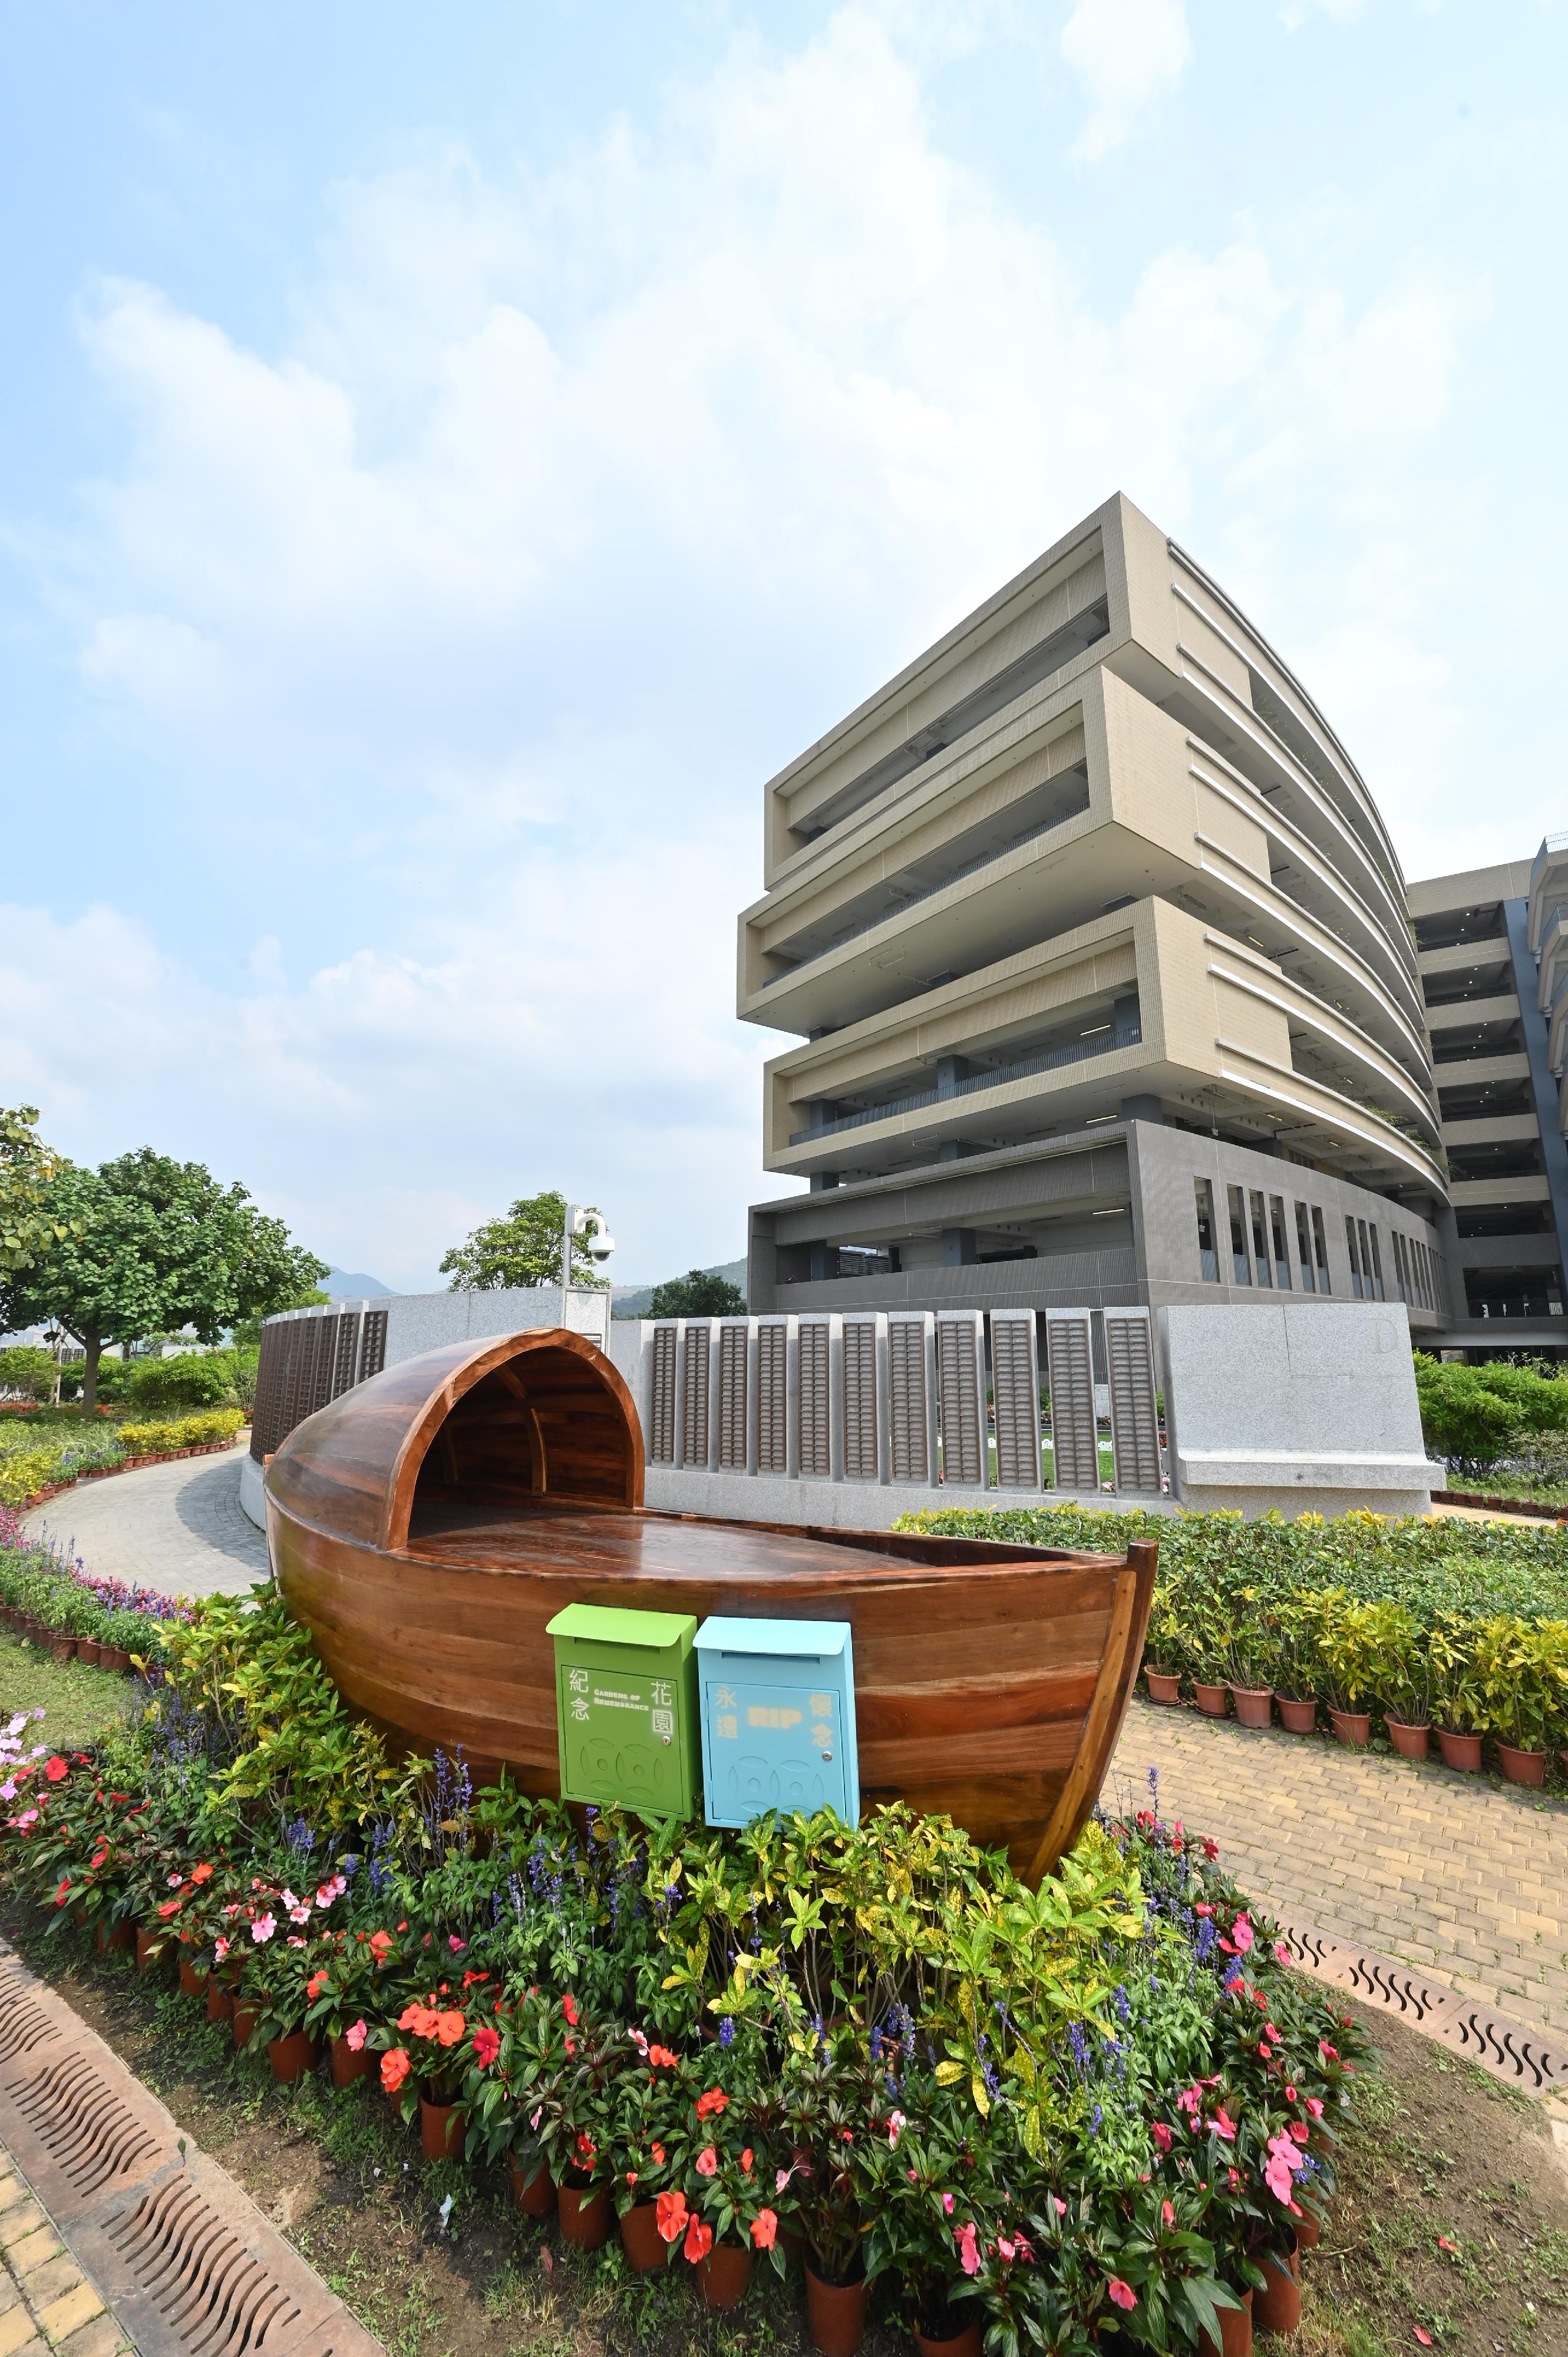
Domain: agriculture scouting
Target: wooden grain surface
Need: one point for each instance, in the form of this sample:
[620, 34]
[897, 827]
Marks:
[414, 1537]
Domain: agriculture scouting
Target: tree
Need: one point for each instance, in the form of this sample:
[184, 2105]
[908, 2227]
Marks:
[152, 1247]
[246, 1332]
[28, 1373]
[698, 1294]
[523, 1249]
[30, 1221]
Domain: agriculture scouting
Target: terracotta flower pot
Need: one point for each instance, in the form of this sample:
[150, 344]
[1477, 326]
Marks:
[1277, 2306]
[440, 2130]
[1352, 1727]
[1308, 2231]
[88, 1650]
[219, 1999]
[1523, 1767]
[1254, 1706]
[1409, 1742]
[1235, 2332]
[836, 2314]
[193, 1979]
[113, 1657]
[532, 2187]
[118, 1935]
[584, 2215]
[348, 2066]
[293, 2057]
[1211, 1700]
[723, 2274]
[1460, 1750]
[149, 1947]
[62, 1648]
[1162, 1688]
[243, 2019]
[967, 2343]
[1298, 1718]
[645, 2247]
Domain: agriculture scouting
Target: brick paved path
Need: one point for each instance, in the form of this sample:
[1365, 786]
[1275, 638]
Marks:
[179, 1527]
[46, 2303]
[1464, 1877]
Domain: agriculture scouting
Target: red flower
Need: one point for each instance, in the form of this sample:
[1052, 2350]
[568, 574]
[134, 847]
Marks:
[59, 1894]
[699, 2240]
[419, 2019]
[1161, 2134]
[670, 2214]
[449, 2027]
[315, 1984]
[764, 2229]
[1121, 2293]
[569, 2008]
[658, 2155]
[715, 2100]
[201, 1874]
[746, 2162]
[380, 1943]
[56, 1769]
[487, 2046]
[661, 2057]
[585, 2148]
[170, 1907]
[394, 2070]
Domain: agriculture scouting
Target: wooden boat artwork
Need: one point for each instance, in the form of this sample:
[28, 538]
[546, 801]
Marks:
[427, 1525]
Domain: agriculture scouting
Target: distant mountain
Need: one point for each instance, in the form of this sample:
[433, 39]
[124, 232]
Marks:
[632, 1300]
[344, 1286]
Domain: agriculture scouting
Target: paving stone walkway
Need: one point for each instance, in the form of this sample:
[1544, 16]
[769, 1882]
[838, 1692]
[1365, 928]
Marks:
[179, 1527]
[1463, 1878]
[46, 2303]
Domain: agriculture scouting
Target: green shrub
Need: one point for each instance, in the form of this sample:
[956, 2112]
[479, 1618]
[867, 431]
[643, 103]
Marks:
[195, 1379]
[27, 1372]
[182, 1432]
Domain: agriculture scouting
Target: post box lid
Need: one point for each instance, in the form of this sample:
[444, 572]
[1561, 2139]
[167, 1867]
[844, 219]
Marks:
[610, 1625]
[813, 1640]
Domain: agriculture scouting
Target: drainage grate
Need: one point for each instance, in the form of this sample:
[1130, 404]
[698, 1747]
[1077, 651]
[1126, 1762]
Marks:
[90, 2136]
[24, 2026]
[217, 2299]
[1509, 2049]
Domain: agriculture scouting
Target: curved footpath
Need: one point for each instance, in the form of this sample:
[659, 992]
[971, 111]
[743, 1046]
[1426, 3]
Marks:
[179, 1527]
[1453, 1873]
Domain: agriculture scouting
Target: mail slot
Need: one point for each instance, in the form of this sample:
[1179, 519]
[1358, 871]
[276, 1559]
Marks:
[625, 1709]
[778, 1705]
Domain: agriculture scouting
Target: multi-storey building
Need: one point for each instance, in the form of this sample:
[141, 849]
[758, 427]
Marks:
[1493, 952]
[1099, 956]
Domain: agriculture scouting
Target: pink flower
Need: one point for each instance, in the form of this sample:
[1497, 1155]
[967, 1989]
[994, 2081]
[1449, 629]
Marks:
[1161, 2134]
[968, 2248]
[1121, 2293]
[1167, 2212]
[947, 2205]
[354, 2036]
[457, 1946]
[261, 1930]
[299, 1914]
[1241, 1932]
[707, 2161]
[1223, 2125]
[1282, 1953]
[895, 2122]
[1276, 2176]
[1061, 2205]
[219, 1948]
[1315, 2105]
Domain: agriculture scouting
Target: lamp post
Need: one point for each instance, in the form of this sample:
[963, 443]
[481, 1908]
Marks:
[601, 1244]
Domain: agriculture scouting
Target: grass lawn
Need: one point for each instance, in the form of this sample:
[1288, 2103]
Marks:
[77, 1701]
[1442, 2157]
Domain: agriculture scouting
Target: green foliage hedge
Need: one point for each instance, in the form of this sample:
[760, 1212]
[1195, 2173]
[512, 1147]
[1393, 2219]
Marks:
[1471, 1417]
[1087, 2108]
[40, 1454]
[1463, 1623]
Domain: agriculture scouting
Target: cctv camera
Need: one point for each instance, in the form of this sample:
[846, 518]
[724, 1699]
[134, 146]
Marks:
[600, 1246]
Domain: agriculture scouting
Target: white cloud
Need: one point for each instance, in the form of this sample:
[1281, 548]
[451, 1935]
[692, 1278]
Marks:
[572, 507]
[1127, 54]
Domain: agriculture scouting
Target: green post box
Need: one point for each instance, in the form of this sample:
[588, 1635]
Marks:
[625, 1709]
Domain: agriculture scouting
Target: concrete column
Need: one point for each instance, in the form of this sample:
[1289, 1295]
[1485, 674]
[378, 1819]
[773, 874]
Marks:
[1124, 1021]
[951, 1069]
[959, 1248]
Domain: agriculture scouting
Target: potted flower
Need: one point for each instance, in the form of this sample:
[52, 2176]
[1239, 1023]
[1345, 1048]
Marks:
[1404, 1684]
[566, 2061]
[832, 2095]
[501, 2103]
[921, 2205]
[1163, 1651]
[1351, 1638]
[1299, 1668]
[655, 2098]
[1252, 1658]
[1521, 1669]
[344, 1992]
[1208, 1642]
[720, 2206]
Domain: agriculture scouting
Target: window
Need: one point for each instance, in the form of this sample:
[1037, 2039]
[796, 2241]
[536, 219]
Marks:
[1371, 1263]
[1321, 1241]
[1261, 1241]
[1240, 1263]
[1304, 1247]
[1208, 1255]
[1355, 1259]
[1400, 1276]
[1282, 1249]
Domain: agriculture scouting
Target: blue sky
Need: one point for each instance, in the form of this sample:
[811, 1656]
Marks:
[450, 458]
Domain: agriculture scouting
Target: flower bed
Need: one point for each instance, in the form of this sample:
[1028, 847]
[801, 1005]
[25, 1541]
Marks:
[1415, 1625]
[48, 1595]
[1098, 2106]
[31, 1469]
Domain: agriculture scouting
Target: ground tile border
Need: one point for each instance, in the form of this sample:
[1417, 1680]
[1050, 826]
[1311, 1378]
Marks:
[179, 2252]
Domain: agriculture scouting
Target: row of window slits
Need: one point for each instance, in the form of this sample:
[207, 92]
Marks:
[1259, 1251]
[305, 1362]
[935, 1382]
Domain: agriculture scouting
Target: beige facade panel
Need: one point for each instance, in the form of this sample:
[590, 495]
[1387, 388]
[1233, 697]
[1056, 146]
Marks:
[1492, 1129]
[1471, 1194]
[1434, 896]
[1460, 1013]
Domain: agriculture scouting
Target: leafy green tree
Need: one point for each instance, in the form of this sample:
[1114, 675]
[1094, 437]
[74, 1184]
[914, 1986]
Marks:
[28, 1373]
[193, 1378]
[246, 1332]
[31, 1219]
[523, 1249]
[698, 1294]
[152, 1247]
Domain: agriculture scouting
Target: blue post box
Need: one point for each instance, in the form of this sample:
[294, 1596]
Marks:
[777, 1703]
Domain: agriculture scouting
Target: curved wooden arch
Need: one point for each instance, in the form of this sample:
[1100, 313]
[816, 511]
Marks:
[990, 1679]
